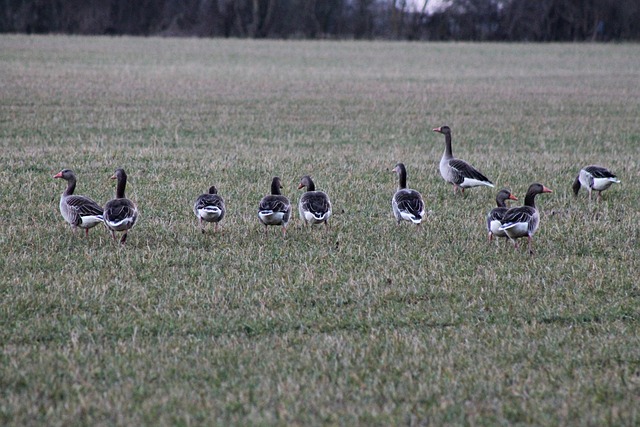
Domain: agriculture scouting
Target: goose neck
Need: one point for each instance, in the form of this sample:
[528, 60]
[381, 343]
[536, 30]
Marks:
[122, 183]
[402, 179]
[448, 153]
[530, 199]
[275, 187]
[71, 187]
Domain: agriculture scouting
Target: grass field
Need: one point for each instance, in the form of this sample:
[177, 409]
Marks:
[368, 324]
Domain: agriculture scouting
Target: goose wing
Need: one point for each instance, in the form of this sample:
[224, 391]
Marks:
[600, 172]
[83, 206]
[496, 214]
[462, 170]
[410, 201]
[274, 203]
[315, 202]
[120, 210]
[522, 214]
[209, 200]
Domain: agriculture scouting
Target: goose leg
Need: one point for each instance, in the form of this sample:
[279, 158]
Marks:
[530, 245]
[86, 233]
[123, 239]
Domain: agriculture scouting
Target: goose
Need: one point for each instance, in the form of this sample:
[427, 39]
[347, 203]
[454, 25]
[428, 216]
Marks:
[495, 216]
[407, 204]
[594, 178]
[523, 221]
[314, 206]
[120, 214]
[458, 172]
[209, 207]
[79, 211]
[274, 208]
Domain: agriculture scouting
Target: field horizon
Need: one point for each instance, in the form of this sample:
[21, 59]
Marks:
[367, 323]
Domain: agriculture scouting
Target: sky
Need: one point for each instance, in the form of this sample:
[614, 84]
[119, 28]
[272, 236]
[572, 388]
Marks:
[432, 5]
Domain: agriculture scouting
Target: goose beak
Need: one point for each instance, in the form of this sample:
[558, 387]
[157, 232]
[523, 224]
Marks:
[512, 197]
[437, 129]
[546, 190]
[300, 186]
[113, 177]
[58, 175]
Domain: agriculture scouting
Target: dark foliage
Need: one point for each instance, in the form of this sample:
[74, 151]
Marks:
[514, 20]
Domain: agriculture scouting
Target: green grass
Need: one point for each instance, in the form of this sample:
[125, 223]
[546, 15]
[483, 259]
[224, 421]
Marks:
[368, 324]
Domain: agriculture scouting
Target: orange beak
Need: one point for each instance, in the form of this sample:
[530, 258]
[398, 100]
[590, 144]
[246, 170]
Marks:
[512, 197]
[58, 175]
[546, 190]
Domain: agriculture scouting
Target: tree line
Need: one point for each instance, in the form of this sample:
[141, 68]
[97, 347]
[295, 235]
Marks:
[480, 20]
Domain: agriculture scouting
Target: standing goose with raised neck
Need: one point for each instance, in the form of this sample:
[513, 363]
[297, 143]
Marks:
[407, 204]
[594, 178]
[120, 214]
[523, 221]
[496, 215]
[458, 172]
[79, 211]
[274, 208]
[314, 206]
[209, 207]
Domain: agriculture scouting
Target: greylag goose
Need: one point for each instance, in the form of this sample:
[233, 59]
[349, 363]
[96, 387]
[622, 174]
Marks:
[274, 208]
[120, 214]
[79, 211]
[594, 178]
[209, 207]
[458, 172]
[495, 216]
[407, 204]
[314, 206]
[523, 221]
